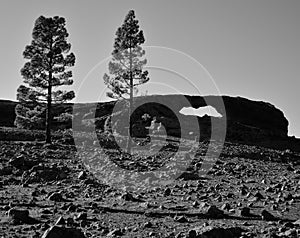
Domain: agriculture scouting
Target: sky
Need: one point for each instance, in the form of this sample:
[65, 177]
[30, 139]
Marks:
[247, 48]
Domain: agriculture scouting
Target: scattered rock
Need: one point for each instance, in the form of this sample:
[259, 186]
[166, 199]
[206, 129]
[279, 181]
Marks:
[192, 234]
[195, 204]
[225, 207]
[115, 232]
[44, 173]
[6, 170]
[82, 175]
[129, 197]
[81, 216]
[60, 221]
[180, 219]
[148, 225]
[259, 196]
[297, 223]
[20, 162]
[56, 197]
[167, 192]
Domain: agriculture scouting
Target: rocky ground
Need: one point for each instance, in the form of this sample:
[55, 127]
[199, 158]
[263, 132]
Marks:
[46, 191]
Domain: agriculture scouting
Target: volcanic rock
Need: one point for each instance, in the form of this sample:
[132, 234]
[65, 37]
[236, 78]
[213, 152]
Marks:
[189, 176]
[217, 232]
[56, 197]
[21, 216]
[214, 212]
[245, 211]
[82, 216]
[63, 232]
[167, 192]
[115, 232]
[82, 175]
[60, 221]
[192, 234]
[18, 214]
[180, 219]
[267, 216]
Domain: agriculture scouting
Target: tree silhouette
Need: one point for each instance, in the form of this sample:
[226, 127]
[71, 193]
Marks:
[126, 67]
[47, 68]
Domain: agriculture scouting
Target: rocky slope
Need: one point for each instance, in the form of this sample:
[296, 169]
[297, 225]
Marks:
[46, 191]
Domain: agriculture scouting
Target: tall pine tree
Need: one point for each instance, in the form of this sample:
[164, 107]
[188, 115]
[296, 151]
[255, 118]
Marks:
[126, 67]
[47, 68]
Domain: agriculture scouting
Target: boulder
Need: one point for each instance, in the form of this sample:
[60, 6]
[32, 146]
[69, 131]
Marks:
[56, 197]
[18, 214]
[21, 216]
[63, 232]
[267, 216]
[218, 232]
[214, 212]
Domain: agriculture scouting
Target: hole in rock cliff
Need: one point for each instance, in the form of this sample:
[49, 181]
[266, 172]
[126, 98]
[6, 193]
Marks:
[200, 112]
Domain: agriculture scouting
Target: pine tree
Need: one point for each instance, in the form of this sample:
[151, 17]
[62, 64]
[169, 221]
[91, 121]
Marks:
[47, 68]
[126, 67]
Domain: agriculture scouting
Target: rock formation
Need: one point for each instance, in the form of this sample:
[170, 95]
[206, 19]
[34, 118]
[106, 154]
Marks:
[244, 120]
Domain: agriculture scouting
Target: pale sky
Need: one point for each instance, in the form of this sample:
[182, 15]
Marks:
[251, 48]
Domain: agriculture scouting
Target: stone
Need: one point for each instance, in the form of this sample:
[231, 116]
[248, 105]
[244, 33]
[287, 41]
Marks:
[82, 175]
[167, 192]
[18, 214]
[297, 223]
[214, 212]
[63, 232]
[21, 216]
[180, 219]
[267, 216]
[245, 212]
[70, 221]
[292, 233]
[81, 216]
[60, 221]
[189, 176]
[148, 224]
[259, 196]
[192, 234]
[218, 232]
[7, 170]
[225, 206]
[129, 197]
[115, 232]
[56, 197]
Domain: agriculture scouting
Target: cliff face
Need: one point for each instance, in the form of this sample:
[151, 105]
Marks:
[245, 120]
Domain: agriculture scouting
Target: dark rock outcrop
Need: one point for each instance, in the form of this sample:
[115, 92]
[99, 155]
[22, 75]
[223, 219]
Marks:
[244, 120]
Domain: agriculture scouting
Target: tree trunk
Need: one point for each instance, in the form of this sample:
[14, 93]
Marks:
[49, 115]
[129, 142]
[49, 107]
